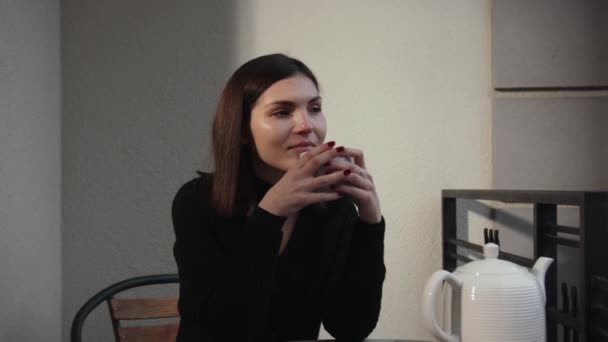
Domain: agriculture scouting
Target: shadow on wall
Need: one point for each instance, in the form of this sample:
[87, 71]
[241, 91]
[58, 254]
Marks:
[140, 84]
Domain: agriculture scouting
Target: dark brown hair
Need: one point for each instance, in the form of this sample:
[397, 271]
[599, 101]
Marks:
[232, 188]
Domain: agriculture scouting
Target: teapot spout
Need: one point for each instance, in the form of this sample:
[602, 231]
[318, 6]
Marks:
[539, 270]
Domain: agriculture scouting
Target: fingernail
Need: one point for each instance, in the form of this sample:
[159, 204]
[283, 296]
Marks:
[340, 149]
[327, 164]
[340, 193]
[331, 143]
[347, 172]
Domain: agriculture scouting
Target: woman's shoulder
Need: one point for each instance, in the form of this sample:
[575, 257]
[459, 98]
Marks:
[194, 193]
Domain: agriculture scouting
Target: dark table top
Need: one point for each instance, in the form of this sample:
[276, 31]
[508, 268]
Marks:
[390, 340]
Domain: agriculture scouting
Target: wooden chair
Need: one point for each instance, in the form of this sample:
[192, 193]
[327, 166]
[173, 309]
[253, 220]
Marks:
[133, 309]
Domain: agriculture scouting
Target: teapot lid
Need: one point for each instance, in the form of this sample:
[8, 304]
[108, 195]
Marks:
[491, 264]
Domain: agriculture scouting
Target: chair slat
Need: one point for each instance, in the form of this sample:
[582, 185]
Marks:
[149, 308]
[156, 333]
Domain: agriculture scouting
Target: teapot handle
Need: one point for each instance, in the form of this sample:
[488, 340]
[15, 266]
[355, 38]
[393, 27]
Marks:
[433, 285]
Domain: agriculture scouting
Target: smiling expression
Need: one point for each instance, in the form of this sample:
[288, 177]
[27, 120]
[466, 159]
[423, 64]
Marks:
[286, 120]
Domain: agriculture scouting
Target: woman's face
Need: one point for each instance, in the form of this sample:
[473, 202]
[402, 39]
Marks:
[286, 120]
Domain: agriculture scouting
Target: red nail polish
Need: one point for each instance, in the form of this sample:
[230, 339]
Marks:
[331, 143]
[327, 164]
[347, 172]
[340, 149]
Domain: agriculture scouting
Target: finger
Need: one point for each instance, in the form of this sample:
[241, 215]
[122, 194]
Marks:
[306, 156]
[341, 177]
[319, 197]
[357, 194]
[343, 166]
[331, 169]
[331, 178]
[336, 164]
[357, 155]
[314, 163]
[341, 161]
[359, 179]
[363, 173]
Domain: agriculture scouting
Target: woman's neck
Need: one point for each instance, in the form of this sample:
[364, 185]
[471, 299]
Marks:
[265, 172]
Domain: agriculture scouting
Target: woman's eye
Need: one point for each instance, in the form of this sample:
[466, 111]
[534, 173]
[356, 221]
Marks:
[281, 112]
[315, 109]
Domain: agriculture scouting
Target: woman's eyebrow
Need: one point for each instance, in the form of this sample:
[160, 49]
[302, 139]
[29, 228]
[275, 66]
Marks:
[291, 103]
[280, 103]
[315, 99]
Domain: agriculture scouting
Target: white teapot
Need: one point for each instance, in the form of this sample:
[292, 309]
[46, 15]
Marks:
[493, 300]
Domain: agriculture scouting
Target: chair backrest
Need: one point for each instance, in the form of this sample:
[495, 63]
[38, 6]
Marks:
[133, 309]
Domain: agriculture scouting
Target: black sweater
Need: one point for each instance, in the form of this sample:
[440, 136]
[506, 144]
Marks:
[235, 287]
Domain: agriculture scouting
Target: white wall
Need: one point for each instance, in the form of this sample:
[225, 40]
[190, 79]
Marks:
[409, 83]
[30, 171]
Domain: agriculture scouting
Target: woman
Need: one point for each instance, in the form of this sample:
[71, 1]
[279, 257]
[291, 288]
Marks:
[267, 248]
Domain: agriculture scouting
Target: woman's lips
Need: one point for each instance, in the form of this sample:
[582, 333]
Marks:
[302, 148]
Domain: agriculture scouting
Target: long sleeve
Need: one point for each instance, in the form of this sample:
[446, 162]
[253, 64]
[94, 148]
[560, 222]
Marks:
[355, 300]
[226, 277]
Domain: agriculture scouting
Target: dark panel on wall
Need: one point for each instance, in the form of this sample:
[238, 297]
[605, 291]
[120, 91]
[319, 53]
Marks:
[550, 43]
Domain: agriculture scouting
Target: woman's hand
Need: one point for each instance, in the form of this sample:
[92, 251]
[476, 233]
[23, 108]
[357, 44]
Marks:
[299, 187]
[359, 185]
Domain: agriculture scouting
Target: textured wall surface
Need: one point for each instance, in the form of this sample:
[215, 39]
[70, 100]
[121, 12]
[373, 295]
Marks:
[406, 81]
[30, 171]
[550, 43]
[141, 80]
[549, 143]
[549, 140]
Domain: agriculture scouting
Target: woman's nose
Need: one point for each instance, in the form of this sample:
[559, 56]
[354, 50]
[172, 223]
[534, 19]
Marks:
[303, 122]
